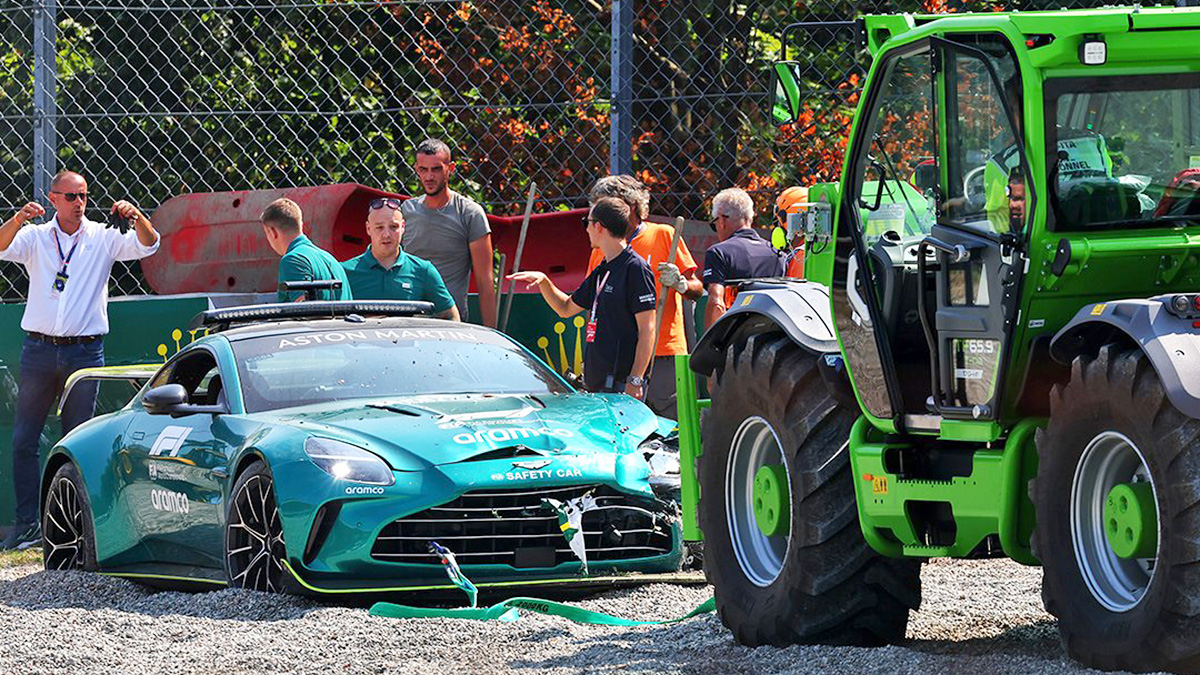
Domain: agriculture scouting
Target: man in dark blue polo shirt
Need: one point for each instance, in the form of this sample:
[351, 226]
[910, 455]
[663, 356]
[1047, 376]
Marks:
[742, 254]
[386, 272]
[619, 296]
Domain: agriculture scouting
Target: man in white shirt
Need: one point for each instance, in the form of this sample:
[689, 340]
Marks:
[69, 260]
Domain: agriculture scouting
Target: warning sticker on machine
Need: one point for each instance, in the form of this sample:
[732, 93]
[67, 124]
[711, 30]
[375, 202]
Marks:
[879, 485]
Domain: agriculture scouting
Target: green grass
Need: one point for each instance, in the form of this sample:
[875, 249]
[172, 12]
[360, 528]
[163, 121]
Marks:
[30, 556]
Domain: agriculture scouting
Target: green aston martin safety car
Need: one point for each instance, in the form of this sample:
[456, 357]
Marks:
[294, 453]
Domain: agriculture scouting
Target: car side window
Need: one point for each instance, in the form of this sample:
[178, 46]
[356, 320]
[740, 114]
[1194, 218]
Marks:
[199, 375]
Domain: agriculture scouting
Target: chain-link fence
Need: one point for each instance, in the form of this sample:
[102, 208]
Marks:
[155, 98]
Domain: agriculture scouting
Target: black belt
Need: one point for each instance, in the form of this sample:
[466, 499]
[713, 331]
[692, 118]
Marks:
[72, 340]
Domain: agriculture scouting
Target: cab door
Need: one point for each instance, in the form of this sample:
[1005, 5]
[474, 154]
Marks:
[882, 215]
[979, 234]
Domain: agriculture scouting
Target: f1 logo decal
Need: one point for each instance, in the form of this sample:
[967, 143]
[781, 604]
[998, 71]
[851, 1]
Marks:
[169, 442]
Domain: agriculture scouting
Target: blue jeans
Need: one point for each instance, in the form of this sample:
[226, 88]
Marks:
[44, 371]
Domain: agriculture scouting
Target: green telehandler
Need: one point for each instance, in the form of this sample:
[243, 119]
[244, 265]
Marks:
[995, 351]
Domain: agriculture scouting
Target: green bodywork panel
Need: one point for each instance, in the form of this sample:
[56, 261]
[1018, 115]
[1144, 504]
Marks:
[689, 405]
[886, 499]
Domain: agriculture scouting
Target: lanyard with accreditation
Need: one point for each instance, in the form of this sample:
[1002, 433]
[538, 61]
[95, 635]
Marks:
[60, 279]
[591, 326]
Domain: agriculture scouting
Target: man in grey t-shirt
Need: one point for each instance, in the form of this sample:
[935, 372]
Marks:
[450, 231]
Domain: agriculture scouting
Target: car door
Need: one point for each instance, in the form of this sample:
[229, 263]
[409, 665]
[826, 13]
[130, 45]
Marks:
[175, 467]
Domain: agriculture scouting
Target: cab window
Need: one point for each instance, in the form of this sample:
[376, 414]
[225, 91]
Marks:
[1124, 151]
[985, 180]
[894, 190]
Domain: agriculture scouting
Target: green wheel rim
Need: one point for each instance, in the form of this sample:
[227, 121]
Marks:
[771, 507]
[1110, 460]
[1130, 520]
[755, 446]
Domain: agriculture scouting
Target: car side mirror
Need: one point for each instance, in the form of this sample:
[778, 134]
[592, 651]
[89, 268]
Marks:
[785, 103]
[171, 399]
[164, 399]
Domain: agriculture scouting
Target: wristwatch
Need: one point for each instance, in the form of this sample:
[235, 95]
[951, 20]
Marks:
[636, 381]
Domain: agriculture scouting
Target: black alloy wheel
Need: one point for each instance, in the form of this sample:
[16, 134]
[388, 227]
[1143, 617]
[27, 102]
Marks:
[68, 541]
[254, 549]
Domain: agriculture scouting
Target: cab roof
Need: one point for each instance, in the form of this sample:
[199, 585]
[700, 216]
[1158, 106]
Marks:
[1058, 24]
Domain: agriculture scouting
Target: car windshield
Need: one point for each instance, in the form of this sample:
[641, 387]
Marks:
[282, 371]
[1125, 151]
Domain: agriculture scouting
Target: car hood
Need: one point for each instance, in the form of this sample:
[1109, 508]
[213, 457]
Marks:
[414, 433]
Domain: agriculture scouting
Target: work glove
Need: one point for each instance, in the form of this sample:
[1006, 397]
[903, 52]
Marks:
[671, 277]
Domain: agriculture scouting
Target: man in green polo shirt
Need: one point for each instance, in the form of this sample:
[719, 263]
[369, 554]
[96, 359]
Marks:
[386, 272]
[302, 260]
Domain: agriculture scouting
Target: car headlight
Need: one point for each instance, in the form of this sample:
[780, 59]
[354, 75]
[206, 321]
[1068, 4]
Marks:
[348, 462]
[663, 461]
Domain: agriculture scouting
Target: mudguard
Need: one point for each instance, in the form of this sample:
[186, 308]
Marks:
[799, 308]
[1171, 343]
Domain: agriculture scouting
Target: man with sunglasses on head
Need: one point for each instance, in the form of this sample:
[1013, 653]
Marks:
[450, 231]
[69, 260]
[387, 272]
[741, 253]
[619, 297]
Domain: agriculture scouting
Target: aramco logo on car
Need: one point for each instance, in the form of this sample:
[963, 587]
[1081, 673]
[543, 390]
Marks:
[510, 434]
[172, 502]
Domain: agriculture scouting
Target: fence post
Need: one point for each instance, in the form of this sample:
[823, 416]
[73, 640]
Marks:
[620, 147]
[45, 111]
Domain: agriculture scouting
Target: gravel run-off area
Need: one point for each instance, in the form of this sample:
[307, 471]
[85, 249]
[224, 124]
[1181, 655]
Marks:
[976, 617]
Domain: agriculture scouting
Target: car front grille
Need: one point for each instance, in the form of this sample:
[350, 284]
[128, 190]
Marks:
[512, 527]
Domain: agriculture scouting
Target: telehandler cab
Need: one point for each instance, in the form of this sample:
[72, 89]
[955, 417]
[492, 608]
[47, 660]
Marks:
[995, 351]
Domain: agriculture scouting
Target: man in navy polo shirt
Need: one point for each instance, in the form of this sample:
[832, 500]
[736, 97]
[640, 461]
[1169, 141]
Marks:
[742, 254]
[386, 272]
[619, 296]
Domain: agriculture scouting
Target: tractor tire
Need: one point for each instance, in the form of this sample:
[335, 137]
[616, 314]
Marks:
[815, 581]
[1112, 424]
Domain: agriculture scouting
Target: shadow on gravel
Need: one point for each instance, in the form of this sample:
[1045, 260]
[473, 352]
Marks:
[80, 590]
[704, 646]
[1038, 639]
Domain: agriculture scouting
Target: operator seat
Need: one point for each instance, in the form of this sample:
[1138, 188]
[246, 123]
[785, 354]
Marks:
[1093, 201]
[1182, 196]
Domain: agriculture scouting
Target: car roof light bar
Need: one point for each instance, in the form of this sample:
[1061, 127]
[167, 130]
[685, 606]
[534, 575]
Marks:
[217, 320]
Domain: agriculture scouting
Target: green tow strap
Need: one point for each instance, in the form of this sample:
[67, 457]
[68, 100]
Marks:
[507, 611]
